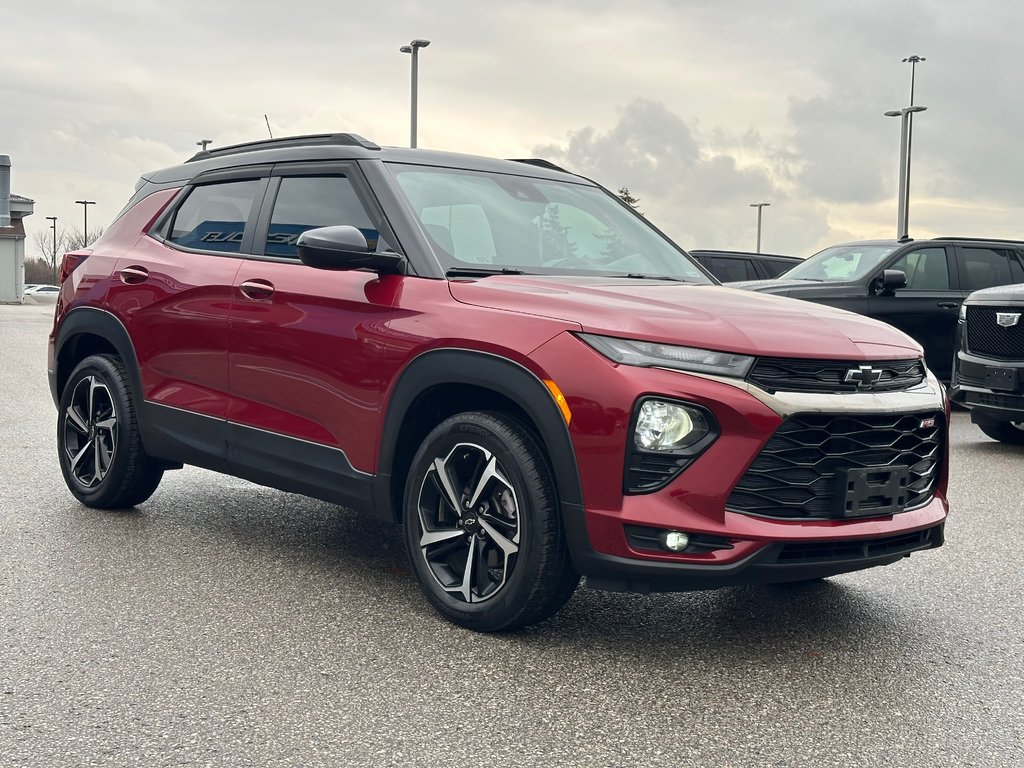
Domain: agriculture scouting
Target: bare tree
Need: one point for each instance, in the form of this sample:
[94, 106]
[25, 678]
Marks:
[39, 272]
[43, 244]
[76, 239]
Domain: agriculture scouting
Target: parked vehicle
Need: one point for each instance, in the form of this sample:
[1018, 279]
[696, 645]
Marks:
[41, 294]
[500, 356]
[989, 374]
[915, 285]
[732, 266]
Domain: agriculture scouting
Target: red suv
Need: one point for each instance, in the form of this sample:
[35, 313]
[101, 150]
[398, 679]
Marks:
[498, 355]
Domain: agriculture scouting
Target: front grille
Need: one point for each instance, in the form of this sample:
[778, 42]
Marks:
[801, 469]
[798, 375]
[985, 337]
[861, 549]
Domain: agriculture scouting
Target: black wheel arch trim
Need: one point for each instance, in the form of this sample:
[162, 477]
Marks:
[504, 377]
[94, 322]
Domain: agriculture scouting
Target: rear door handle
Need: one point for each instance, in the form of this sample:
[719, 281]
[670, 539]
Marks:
[134, 274]
[257, 288]
[949, 304]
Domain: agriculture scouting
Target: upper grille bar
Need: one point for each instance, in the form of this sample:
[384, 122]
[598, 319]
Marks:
[775, 374]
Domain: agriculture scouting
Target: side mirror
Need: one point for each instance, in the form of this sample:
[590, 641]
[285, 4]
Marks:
[890, 281]
[342, 248]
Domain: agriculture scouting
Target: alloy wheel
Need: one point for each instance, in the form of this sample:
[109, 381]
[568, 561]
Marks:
[470, 523]
[90, 431]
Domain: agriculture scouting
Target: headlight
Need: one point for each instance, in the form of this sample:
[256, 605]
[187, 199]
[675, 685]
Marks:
[963, 312]
[664, 426]
[653, 355]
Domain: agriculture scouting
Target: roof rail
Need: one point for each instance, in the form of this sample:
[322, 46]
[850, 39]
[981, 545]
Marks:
[318, 139]
[540, 163]
[981, 239]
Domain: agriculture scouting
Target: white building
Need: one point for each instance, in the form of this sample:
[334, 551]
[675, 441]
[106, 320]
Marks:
[13, 208]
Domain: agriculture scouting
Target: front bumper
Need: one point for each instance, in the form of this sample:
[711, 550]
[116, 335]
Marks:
[752, 549]
[992, 389]
[772, 563]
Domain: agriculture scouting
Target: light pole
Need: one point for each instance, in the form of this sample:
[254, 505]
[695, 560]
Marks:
[759, 206]
[53, 226]
[413, 48]
[913, 61]
[203, 144]
[903, 210]
[85, 211]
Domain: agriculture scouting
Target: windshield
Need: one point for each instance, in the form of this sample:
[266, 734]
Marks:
[840, 263]
[481, 222]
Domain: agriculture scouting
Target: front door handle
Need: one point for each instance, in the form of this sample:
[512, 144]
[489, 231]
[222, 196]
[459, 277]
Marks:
[134, 275]
[949, 304]
[257, 288]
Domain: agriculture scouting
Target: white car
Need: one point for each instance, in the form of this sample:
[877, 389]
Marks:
[42, 294]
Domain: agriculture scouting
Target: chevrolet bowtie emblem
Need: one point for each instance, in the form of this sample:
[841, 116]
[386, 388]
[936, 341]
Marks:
[864, 376]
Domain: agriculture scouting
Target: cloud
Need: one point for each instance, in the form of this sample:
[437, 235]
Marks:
[696, 186]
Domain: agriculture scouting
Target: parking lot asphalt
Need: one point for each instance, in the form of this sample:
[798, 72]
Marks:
[226, 624]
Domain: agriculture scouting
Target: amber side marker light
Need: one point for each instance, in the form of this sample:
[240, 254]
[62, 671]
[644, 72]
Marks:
[559, 399]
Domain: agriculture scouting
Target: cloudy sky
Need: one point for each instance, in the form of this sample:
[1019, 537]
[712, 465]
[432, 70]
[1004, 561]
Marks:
[698, 107]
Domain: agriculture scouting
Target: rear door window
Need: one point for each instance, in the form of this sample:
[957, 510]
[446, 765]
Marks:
[213, 216]
[1017, 267]
[984, 267]
[731, 270]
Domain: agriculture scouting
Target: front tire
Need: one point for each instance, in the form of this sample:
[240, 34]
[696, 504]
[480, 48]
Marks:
[1004, 431]
[482, 525]
[98, 442]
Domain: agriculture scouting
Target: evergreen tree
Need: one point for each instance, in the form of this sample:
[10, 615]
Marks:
[628, 199]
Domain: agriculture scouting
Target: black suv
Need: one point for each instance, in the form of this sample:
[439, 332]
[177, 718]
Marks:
[915, 285]
[989, 374]
[732, 266]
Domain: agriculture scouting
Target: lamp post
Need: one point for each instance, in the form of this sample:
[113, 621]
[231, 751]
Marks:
[53, 226]
[759, 206]
[85, 212]
[903, 209]
[413, 48]
[203, 144]
[913, 60]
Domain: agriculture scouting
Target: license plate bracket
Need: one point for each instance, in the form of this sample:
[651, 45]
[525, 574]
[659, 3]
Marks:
[872, 491]
[1004, 379]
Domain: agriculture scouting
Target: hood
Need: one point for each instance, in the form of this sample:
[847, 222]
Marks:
[998, 294]
[778, 285]
[707, 316]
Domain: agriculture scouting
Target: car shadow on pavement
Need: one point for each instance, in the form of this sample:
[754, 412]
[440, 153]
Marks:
[354, 554]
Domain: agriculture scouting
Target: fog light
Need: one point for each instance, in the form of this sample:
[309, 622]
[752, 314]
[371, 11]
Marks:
[677, 541]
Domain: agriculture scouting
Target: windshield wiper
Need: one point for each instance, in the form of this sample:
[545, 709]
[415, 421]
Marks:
[481, 271]
[638, 276]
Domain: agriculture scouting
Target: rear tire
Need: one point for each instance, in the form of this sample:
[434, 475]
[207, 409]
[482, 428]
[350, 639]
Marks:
[1004, 431]
[98, 441]
[482, 525]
